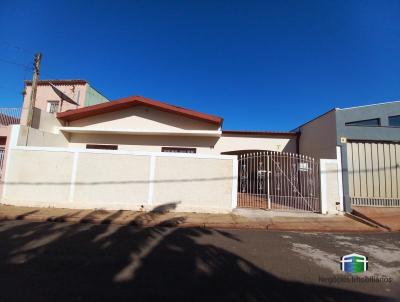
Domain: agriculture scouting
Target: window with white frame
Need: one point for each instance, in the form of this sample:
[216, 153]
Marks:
[52, 106]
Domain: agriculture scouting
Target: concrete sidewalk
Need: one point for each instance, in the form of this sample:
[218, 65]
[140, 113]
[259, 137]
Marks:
[241, 218]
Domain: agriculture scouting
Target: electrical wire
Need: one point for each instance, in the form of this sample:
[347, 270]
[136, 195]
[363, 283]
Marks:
[15, 47]
[15, 63]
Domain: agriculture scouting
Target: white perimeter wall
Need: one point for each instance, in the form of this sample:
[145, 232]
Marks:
[78, 178]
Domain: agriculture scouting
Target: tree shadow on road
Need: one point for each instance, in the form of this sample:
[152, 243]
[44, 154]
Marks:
[87, 262]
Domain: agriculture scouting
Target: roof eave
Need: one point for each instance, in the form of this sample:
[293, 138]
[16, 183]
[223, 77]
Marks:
[124, 103]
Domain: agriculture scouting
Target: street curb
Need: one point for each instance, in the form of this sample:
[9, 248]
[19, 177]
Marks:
[255, 226]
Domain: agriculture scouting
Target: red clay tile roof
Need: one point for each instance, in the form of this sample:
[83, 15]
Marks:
[124, 103]
[59, 82]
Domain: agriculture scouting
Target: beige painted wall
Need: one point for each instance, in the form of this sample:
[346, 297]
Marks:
[204, 145]
[45, 121]
[142, 118]
[112, 180]
[12, 136]
[39, 138]
[193, 183]
[37, 178]
[237, 142]
[318, 137]
[143, 142]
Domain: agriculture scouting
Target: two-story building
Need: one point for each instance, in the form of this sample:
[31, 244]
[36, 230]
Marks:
[47, 101]
[366, 139]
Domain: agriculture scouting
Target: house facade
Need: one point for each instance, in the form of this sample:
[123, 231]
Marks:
[136, 153]
[141, 124]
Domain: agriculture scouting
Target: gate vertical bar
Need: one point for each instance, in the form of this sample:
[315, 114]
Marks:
[268, 174]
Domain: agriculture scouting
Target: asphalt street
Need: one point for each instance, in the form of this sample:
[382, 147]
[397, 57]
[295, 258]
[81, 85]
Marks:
[43, 261]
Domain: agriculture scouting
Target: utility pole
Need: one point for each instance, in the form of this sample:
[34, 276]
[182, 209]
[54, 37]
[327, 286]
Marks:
[35, 79]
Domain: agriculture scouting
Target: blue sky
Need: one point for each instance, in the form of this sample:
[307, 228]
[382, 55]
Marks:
[262, 65]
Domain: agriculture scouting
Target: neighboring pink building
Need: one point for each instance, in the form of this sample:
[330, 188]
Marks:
[47, 100]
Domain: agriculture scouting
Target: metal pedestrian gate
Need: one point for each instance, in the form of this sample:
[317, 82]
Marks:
[279, 181]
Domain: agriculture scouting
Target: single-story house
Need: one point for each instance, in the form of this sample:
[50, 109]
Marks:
[130, 149]
[141, 124]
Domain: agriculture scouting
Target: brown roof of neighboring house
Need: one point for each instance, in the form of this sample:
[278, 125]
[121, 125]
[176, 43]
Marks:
[124, 103]
[245, 132]
[6, 120]
[59, 82]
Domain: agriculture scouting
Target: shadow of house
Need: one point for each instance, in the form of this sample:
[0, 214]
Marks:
[109, 219]
[24, 215]
[63, 218]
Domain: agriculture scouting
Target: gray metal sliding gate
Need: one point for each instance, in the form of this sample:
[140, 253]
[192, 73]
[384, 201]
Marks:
[374, 173]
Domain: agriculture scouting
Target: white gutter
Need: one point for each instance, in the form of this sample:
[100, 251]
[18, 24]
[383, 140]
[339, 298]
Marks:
[178, 132]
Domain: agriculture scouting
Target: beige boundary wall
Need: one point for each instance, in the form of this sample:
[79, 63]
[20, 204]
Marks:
[80, 178]
[106, 179]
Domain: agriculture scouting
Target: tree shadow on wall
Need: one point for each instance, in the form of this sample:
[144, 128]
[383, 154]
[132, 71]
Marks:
[87, 262]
